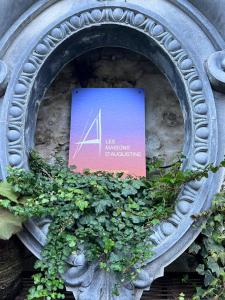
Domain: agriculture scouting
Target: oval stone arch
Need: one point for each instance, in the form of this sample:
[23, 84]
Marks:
[141, 31]
[113, 36]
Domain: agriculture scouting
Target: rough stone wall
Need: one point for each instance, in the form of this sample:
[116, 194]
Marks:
[111, 68]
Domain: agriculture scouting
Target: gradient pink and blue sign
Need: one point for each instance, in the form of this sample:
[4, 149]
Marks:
[108, 130]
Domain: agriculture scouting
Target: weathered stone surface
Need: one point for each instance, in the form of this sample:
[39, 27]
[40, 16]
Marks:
[215, 67]
[172, 34]
[111, 68]
[11, 10]
[3, 77]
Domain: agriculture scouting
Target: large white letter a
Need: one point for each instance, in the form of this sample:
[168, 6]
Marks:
[97, 123]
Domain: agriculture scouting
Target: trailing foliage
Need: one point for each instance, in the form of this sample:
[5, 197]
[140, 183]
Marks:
[9, 223]
[211, 250]
[107, 216]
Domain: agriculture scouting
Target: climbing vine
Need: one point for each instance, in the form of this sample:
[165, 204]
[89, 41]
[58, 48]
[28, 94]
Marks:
[108, 217]
[211, 249]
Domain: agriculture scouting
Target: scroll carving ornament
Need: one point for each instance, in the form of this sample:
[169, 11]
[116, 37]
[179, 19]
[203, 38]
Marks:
[86, 280]
[3, 77]
[215, 67]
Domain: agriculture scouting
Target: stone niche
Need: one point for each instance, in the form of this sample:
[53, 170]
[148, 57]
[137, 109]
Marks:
[111, 67]
[58, 35]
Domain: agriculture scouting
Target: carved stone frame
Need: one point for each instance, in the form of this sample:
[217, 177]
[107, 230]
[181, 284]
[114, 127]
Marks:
[161, 43]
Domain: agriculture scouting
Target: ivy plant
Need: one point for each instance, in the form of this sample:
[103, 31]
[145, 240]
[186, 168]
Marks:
[9, 223]
[107, 216]
[211, 250]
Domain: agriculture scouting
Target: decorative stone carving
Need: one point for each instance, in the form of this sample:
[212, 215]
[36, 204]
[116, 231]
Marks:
[173, 235]
[100, 16]
[3, 77]
[84, 277]
[215, 66]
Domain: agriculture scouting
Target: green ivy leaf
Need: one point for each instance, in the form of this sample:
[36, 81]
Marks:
[101, 205]
[208, 278]
[128, 190]
[108, 245]
[181, 296]
[9, 224]
[194, 248]
[201, 269]
[82, 204]
[7, 192]
[213, 265]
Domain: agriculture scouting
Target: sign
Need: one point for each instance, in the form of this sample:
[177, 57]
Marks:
[108, 130]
